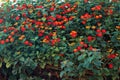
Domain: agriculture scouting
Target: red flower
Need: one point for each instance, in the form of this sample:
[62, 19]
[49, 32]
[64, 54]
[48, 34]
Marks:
[24, 6]
[26, 42]
[7, 40]
[39, 7]
[73, 34]
[103, 31]
[52, 9]
[1, 21]
[38, 23]
[47, 37]
[71, 18]
[30, 44]
[33, 29]
[79, 48]
[93, 8]
[17, 18]
[15, 30]
[5, 30]
[82, 43]
[24, 15]
[111, 56]
[2, 42]
[89, 38]
[85, 1]
[98, 7]
[110, 11]
[55, 23]
[40, 34]
[52, 18]
[83, 22]
[53, 42]
[61, 55]
[49, 23]
[12, 6]
[86, 16]
[58, 16]
[110, 65]
[58, 40]
[63, 27]
[115, 0]
[85, 45]
[91, 48]
[67, 4]
[23, 29]
[98, 30]
[99, 34]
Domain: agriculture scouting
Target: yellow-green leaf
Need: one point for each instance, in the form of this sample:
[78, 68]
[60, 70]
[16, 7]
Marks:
[0, 64]
[8, 64]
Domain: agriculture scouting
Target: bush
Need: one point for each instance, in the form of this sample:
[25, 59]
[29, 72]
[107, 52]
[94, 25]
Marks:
[68, 40]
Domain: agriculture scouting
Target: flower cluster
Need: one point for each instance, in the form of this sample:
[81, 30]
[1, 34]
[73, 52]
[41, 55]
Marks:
[63, 29]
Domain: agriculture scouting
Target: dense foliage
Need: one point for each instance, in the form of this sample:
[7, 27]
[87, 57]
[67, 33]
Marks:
[74, 39]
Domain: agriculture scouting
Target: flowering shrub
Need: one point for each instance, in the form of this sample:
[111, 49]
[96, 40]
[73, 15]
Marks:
[77, 39]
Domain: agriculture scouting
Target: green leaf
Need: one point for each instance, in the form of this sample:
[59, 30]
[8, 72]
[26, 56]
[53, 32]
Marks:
[69, 63]
[14, 71]
[22, 59]
[44, 19]
[12, 77]
[6, 60]
[8, 64]
[57, 49]
[42, 65]
[2, 47]
[57, 58]
[64, 38]
[0, 64]
[106, 71]
[62, 73]
[23, 76]
[97, 63]
[81, 57]
[33, 65]
[87, 62]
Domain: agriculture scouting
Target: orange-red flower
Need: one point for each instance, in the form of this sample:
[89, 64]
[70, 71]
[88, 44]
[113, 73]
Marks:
[73, 34]
[75, 50]
[85, 16]
[110, 12]
[98, 7]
